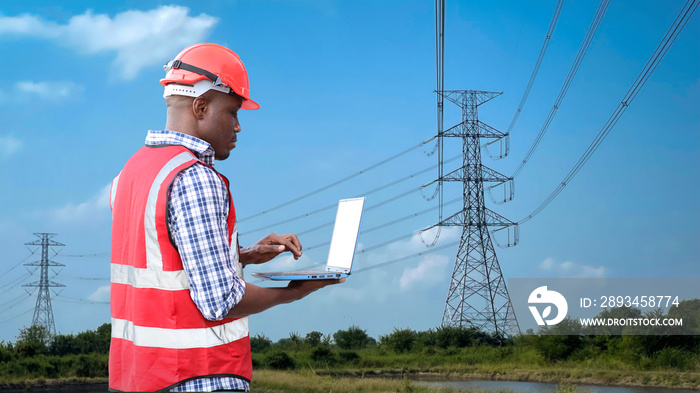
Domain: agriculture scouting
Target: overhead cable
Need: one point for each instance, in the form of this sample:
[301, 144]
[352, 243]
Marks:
[382, 245]
[69, 299]
[569, 78]
[18, 264]
[543, 50]
[517, 44]
[16, 301]
[24, 295]
[363, 171]
[661, 50]
[391, 262]
[393, 222]
[332, 205]
[98, 255]
[19, 315]
[16, 282]
[372, 207]
[440, 87]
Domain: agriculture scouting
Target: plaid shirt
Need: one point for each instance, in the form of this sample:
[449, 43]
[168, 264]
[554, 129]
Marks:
[197, 213]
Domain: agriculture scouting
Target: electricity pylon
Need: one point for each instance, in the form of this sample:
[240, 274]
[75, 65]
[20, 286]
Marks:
[43, 313]
[478, 296]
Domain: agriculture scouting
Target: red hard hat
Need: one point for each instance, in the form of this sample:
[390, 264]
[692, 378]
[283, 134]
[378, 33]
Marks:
[219, 64]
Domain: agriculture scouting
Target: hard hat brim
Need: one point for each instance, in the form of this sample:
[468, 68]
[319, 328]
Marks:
[250, 105]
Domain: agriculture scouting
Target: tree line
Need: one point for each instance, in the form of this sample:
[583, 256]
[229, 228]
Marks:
[35, 354]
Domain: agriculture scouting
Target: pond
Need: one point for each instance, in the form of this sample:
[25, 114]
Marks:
[539, 387]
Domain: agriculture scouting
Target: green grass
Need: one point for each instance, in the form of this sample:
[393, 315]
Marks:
[269, 381]
[483, 362]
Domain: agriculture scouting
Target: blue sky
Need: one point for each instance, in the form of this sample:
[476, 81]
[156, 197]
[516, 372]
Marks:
[342, 86]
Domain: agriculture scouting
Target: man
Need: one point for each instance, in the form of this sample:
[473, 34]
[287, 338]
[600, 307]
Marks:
[179, 303]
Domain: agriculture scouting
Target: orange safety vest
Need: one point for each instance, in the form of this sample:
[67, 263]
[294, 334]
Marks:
[159, 337]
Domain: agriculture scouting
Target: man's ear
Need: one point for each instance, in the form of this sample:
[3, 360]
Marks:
[199, 107]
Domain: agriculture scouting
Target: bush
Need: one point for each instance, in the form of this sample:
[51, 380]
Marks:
[675, 358]
[91, 365]
[353, 338]
[279, 360]
[555, 348]
[63, 344]
[323, 354]
[33, 340]
[349, 356]
[400, 340]
[259, 343]
[458, 337]
[7, 352]
[313, 338]
[256, 363]
[37, 366]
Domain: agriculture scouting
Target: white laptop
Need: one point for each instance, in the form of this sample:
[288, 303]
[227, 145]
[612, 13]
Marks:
[343, 243]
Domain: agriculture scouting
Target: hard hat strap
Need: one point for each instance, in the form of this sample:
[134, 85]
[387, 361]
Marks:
[189, 67]
[216, 79]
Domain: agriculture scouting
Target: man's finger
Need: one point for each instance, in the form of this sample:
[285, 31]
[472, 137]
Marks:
[294, 239]
[291, 246]
[271, 249]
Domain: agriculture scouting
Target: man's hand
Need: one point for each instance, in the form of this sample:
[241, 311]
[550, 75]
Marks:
[257, 299]
[269, 247]
[305, 287]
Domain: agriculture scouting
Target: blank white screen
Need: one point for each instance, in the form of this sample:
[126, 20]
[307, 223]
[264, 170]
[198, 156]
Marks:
[345, 231]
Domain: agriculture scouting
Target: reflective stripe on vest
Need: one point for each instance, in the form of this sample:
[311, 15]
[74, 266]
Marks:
[159, 336]
[180, 338]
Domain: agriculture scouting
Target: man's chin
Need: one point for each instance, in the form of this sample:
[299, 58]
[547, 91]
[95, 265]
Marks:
[222, 156]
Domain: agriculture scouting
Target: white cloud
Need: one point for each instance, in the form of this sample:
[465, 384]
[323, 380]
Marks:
[138, 38]
[60, 90]
[547, 264]
[429, 271]
[96, 206]
[9, 145]
[100, 295]
[571, 269]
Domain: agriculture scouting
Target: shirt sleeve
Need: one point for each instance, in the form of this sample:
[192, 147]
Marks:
[197, 219]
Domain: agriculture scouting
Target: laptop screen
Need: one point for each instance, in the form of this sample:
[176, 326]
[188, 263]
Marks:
[345, 231]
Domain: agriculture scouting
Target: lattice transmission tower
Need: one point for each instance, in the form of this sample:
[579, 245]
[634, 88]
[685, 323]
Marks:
[477, 296]
[43, 312]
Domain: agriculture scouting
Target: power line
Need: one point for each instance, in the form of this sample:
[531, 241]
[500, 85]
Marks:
[18, 264]
[17, 316]
[328, 207]
[98, 255]
[68, 299]
[391, 262]
[517, 44]
[652, 63]
[88, 278]
[381, 226]
[21, 296]
[375, 206]
[383, 244]
[16, 282]
[363, 171]
[565, 87]
[543, 50]
[16, 301]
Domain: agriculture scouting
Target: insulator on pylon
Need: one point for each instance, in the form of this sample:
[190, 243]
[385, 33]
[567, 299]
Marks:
[508, 192]
[503, 147]
[511, 237]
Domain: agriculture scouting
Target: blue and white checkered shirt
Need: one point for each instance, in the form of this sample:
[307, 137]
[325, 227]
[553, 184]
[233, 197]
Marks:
[197, 220]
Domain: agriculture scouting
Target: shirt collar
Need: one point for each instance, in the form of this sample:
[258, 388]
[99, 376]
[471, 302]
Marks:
[201, 148]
